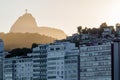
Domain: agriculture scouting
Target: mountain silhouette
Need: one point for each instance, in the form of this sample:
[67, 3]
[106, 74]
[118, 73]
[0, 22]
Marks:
[27, 23]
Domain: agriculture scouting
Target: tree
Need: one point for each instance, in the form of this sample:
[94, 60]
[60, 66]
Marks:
[113, 30]
[103, 25]
[18, 52]
[34, 45]
[85, 31]
[79, 28]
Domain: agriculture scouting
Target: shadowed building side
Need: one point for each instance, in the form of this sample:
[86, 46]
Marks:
[1, 46]
[116, 60]
[1, 58]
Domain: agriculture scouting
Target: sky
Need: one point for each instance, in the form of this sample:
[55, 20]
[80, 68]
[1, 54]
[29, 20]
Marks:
[66, 15]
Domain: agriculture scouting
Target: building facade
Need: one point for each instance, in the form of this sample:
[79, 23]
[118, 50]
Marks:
[62, 61]
[18, 69]
[1, 46]
[72, 65]
[39, 56]
[1, 67]
[95, 62]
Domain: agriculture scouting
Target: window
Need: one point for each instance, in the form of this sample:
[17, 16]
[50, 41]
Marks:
[57, 48]
[61, 72]
[52, 49]
[51, 77]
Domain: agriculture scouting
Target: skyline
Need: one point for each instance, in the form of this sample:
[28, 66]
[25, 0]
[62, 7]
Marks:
[66, 15]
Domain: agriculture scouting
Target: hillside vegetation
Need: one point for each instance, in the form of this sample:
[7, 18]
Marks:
[21, 40]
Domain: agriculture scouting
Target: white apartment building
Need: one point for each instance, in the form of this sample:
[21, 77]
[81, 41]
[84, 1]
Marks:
[95, 62]
[7, 69]
[39, 56]
[55, 62]
[2, 56]
[61, 64]
[18, 69]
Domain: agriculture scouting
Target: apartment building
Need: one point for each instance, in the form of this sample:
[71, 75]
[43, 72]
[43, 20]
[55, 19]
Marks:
[95, 62]
[18, 68]
[62, 61]
[72, 64]
[39, 56]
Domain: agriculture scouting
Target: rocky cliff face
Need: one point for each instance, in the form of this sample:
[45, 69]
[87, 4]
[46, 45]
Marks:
[27, 24]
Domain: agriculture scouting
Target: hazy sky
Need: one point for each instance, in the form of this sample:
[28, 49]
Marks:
[61, 14]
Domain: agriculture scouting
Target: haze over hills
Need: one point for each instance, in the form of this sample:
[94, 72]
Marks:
[21, 40]
[27, 23]
[25, 31]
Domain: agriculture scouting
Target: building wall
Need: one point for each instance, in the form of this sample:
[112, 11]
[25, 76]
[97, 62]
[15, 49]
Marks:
[95, 62]
[55, 62]
[62, 61]
[7, 69]
[72, 65]
[23, 69]
[116, 60]
[39, 56]
[1, 46]
[1, 59]
[18, 69]
[1, 67]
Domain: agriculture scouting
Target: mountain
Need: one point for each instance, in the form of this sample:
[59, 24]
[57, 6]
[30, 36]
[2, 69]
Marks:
[21, 40]
[27, 23]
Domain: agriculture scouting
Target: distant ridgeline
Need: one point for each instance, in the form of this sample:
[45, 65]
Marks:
[21, 40]
[27, 23]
